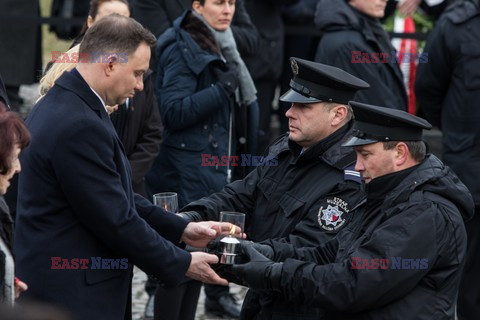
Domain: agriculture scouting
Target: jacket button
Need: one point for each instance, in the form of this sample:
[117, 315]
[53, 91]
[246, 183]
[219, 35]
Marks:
[182, 145]
[205, 127]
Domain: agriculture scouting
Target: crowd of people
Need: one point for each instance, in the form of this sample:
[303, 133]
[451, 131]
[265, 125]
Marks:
[348, 214]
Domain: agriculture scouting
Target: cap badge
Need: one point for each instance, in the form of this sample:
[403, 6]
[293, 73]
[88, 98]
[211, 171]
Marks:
[294, 66]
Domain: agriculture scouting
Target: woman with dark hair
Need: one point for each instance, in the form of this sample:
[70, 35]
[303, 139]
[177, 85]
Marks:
[100, 9]
[15, 137]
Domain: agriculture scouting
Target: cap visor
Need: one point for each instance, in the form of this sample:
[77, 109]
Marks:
[354, 141]
[293, 96]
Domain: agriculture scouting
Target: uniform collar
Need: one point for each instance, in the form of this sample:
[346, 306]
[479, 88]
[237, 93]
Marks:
[379, 187]
[319, 148]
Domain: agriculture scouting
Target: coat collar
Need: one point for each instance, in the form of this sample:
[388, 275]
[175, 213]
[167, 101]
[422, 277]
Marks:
[74, 82]
[197, 58]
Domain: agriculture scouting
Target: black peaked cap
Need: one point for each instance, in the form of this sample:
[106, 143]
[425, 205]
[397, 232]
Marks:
[315, 82]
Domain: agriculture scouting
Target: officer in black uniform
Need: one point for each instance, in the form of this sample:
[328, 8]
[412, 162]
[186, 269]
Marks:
[448, 91]
[306, 188]
[401, 255]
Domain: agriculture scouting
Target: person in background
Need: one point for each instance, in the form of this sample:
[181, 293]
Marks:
[354, 40]
[159, 15]
[202, 87]
[20, 46]
[15, 137]
[99, 9]
[448, 91]
[77, 209]
[401, 256]
[3, 95]
[303, 46]
[266, 62]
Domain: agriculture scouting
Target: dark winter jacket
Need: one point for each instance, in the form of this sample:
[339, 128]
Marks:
[347, 32]
[266, 62]
[285, 199]
[6, 236]
[448, 89]
[400, 257]
[195, 112]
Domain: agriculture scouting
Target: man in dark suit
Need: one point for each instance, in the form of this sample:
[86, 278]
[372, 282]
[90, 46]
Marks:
[80, 228]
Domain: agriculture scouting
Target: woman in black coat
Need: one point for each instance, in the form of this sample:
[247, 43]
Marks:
[15, 137]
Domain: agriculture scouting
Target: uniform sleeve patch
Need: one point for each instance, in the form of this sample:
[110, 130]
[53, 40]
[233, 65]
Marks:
[333, 214]
[349, 173]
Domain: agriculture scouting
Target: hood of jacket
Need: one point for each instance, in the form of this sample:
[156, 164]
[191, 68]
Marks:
[196, 58]
[434, 177]
[461, 11]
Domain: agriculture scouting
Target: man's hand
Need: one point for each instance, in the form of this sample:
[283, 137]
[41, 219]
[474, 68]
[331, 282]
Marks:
[200, 269]
[199, 234]
[260, 273]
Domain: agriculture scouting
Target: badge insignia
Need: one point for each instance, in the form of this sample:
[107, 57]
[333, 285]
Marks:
[333, 216]
[294, 66]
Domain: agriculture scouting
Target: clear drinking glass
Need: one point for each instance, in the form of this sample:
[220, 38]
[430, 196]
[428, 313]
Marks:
[228, 249]
[236, 218]
[166, 200]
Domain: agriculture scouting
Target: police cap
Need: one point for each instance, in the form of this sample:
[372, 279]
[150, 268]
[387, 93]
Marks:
[315, 82]
[378, 124]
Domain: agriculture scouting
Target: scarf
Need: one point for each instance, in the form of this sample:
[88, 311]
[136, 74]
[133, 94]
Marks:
[247, 93]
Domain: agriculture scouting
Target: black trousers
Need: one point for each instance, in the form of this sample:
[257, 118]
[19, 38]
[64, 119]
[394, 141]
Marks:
[468, 304]
[179, 303]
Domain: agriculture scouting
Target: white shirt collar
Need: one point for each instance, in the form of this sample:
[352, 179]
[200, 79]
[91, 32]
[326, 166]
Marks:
[101, 100]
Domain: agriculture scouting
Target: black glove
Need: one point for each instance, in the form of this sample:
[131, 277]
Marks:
[260, 273]
[227, 77]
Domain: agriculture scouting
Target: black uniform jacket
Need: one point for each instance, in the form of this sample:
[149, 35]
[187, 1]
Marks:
[305, 198]
[400, 257]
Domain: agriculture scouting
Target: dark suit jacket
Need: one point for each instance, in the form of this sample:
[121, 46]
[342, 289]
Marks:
[76, 201]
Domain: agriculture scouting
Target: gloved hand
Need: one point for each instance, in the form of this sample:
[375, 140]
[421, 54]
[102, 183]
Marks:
[264, 249]
[227, 77]
[260, 273]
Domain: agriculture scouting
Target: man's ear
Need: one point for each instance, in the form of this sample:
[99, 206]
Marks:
[401, 153]
[110, 62]
[89, 21]
[340, 113]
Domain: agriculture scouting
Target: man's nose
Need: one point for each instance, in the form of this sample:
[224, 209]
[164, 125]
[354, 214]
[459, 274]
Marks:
[289, 113]
[139, 85]
[359, 166]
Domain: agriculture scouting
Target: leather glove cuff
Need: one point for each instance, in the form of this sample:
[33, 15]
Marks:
[191, 216]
